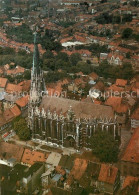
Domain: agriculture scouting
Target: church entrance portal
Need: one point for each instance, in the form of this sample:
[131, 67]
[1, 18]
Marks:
[70, 142]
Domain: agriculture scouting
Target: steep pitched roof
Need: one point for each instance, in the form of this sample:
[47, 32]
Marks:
[132, 151]
[81, 109]
[108, 174]
[135, 114]
[121, 82]
[80, 165]
[11, 88]
[8, 151]
[93, 76]
[129, 180]
[3, 82]
[16, 111]
[23, 101]
[117, 105]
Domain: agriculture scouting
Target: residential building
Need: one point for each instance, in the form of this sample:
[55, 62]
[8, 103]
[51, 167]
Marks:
[135, 119]
[108, 179]
[130, 159]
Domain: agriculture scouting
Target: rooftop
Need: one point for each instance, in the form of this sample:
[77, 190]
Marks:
[30, 157]
[108, 174]
[8, 151]
[81, 109]
[132, 151]
[3, 82]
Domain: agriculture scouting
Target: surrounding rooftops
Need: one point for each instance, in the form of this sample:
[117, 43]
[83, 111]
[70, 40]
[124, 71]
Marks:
[132, 151]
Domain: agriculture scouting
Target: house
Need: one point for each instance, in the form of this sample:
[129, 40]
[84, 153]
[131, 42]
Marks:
[130, 185]
[22, 102]
[30, 157]
[18, 70]
[109, 179]
[66, 162]
[121, 109]
[130, 159]
[58, 177]
[46, 177]
[103, 56]
[90, 176]
[78, 170]
[93, 76]
[3, 83]
[13, 88]
[31, 178]
[10, 178]
[115, 59]
[135, 119]
[10, 154]
[7, 116]
[25, 85]
[9, 100]
[121, 82]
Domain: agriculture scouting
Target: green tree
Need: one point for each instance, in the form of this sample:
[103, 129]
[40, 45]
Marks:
[104, 146]
[75, 58]
[127, 33]
[27, 75]
[21, 129]
[48, 55]
[63, 56]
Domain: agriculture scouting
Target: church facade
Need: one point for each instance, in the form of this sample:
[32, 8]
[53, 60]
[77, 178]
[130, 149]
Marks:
[61, 121]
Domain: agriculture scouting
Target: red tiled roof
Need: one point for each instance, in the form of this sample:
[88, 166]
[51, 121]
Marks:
[30, 157]
[16, 111]
[80, 165]
[93, 75]
[132, 151]
[15, 71]
[23, 101]
[11, 151]
[116, 103]
[135, 114]
[3, 82]
[11, 88]
[115, 88]
[108, 174]
[129, 180]
[121, 82]
[25, 85]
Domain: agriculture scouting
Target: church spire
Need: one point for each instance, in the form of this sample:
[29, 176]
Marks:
[36, 56]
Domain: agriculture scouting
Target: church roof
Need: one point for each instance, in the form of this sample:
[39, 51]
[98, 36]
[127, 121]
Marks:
[81, 109]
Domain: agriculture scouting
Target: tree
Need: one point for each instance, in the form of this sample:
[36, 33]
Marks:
[75, 58]
[27, 75]
[21, 129]
[48, 55]
[63, 56]
[127, 33]
[104, 146]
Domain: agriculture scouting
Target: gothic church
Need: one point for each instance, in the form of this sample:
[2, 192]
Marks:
[61, 121]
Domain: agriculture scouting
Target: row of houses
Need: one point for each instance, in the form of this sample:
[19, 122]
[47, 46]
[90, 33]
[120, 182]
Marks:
[56, 172]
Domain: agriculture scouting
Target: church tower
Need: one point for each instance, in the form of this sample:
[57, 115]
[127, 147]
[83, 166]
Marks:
[38, 88]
